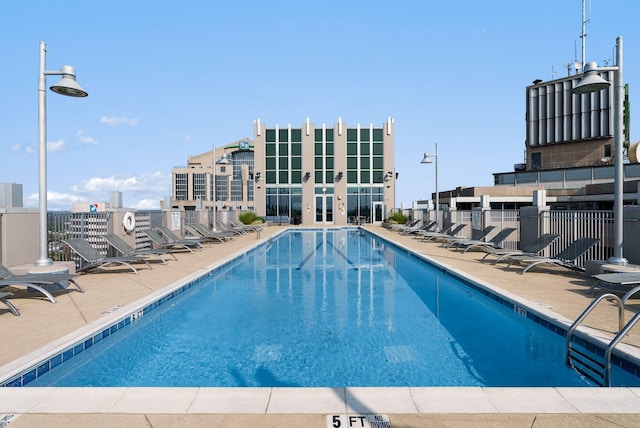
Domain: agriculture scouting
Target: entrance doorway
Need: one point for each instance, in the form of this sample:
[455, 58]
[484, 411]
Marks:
[324, 209]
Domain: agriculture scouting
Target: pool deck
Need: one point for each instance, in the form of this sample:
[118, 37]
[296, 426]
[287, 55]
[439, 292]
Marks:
[554, 292]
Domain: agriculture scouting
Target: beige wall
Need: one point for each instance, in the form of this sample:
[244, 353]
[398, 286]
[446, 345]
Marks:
[19, 240]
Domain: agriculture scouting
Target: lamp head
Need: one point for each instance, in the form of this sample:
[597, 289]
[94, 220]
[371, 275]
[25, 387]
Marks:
[426, 159]
[224, 160]
[591, 80]
[68, 85]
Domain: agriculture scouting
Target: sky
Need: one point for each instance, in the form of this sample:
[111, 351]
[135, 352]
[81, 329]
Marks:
[169, 80]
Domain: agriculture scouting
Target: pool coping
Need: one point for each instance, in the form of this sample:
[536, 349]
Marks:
[302, 400]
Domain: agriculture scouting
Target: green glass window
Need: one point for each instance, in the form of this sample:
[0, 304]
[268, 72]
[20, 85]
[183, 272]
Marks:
[318, 162]
[352, 162]
[317, 134]
[296, 177]
[318, 149]
[364, 176]
[364, 135]
[364, 162]
[352, 135]
[283, 163]
[270, 149]
[377, 134]
[378, 176]
[284, 177]
[296, 162]
[318, 177]
[352, 176]
[270, 137]
[270, 163]
[329, 134]
[296, 149]
[283, 135]
[378, 149]
[329, 177]
[296, 135]
[352, 149]
[271, 177]
[329, 149]
[378, 162]
[364, 148]
[329, 162]
[284, 149]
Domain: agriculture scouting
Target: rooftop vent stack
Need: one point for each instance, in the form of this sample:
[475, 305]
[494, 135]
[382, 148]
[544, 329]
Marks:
[116, 199]
[10, 195]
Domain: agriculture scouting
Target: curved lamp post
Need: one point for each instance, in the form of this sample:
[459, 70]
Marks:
[592, 82]
[427, 159]
[66, 86]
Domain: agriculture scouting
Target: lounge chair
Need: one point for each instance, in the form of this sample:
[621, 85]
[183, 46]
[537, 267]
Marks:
[423, 234]
[618, 282]
[208, 236]
[94, 260]
[434, 236]
[248, 227]
[37, 281]
[533, 249]
[3, 299]
[169, 236]
[410, 230]
[565, 258]
[158, 240]
[495, 242]
[125, 249]
[448, 242]
[401, 227]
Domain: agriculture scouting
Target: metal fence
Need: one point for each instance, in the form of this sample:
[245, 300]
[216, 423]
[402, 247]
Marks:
[570, 225]
[92, 226]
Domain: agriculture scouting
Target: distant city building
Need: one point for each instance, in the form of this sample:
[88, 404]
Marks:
[300, 175]
[569, 153]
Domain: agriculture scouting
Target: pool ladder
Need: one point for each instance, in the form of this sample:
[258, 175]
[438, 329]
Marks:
[595, 367]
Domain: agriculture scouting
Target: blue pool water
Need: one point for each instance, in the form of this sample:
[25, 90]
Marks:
[334, 308]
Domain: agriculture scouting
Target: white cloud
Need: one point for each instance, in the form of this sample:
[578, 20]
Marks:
[147, 204]
[116, 121]
[55, 146]
[187, 138]
[142, 192]
[15, 148]
[55, 201]
[30, 150]
[85, 139]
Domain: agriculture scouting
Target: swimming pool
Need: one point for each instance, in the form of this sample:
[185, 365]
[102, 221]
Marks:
[332, 307]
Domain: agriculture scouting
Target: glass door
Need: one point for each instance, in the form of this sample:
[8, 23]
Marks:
[324, 209]
[378, 212]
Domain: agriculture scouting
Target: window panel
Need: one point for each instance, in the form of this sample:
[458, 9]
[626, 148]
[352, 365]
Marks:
[296, 135]
[377, 134]
[284, 149]
[352, 135]
[283, 135]
[352, 149]
[270, 162]
[329, 136]
[270, 150]
[283, 177]
[364, 135]
[296, 149]
[270, 136]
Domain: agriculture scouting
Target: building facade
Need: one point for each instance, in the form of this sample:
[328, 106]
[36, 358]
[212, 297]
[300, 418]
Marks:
[325, 174]
[334, 175]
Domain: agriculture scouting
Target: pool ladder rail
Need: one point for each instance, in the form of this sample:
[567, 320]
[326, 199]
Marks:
[595, 367]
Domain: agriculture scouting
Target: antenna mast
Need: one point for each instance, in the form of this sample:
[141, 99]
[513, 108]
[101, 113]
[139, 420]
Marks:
[583, 36]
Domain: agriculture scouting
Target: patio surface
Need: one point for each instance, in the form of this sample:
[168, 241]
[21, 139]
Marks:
[552, 291]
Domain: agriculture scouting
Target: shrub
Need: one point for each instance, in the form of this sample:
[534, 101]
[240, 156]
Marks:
[397, 217]
[249, 217]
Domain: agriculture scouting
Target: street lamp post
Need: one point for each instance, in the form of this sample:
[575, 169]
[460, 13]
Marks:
[427, 159]
[592, 82]
[223, 161]
[66, 86]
